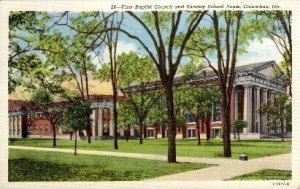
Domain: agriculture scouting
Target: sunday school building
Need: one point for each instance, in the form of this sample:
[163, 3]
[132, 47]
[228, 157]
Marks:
[254, 84]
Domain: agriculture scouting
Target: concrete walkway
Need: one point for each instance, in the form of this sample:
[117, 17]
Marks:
[224, 169]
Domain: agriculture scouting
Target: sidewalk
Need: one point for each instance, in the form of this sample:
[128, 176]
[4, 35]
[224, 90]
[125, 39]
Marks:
[224, 169]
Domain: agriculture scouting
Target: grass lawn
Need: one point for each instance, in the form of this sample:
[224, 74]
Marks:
[266, 174]
[185, 147]
[25, 165]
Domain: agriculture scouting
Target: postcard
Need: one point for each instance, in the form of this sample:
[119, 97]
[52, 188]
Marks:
[144, 94]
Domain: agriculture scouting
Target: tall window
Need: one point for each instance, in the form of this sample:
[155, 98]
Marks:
[239, 95]
[29, 129]
[216, 112]
[191, 133]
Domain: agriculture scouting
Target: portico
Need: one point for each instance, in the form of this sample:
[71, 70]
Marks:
[253, 88]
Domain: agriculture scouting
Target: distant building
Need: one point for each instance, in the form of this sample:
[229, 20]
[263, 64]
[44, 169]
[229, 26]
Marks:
[27, 121]
[254, 84]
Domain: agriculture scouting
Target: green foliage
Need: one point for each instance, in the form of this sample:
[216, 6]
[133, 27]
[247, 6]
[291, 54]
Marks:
[41, 96]
[126, 116]
[158, 113]
[75, 116]
[52, 166]
[197, 101]
[280, 109]
[239, 124]
[266, 174]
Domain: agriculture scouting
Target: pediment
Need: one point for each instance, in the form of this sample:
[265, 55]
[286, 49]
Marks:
[268, 69]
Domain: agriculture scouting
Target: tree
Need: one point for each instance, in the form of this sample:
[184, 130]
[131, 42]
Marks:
[45, 84]
[277, 26]
[227, 37]
[74, 118]
[239, 125]
[127, 118]
[165, 55]
[157, 116]
[279, 110]
[139, 71]
[198, 102]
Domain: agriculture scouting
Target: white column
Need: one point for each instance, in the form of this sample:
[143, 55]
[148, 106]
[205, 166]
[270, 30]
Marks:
[9, 125]
[264, 116]
[257, 109]
[272, 98]
[20, 126]
[121, 131]
[93, 122]
[248, 107]
[14, 125]
[100, 122]
[236, 103]
[131, 131]
[111, 123]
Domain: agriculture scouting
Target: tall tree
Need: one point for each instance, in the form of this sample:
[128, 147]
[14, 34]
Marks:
[198, 102]
[126, 118]
[139, 71]
[225, 38]
[160, 26]
[45, 84]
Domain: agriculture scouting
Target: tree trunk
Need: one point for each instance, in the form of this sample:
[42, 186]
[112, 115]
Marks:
[207, 123]
[156, 132]
[127, 133]
[238, 130]
[54, 133]
[141, 131]
[88, 131]
[71, 133]
[75, 146]
[171, 124]
[282, 130]
[226, 130]
[115, 94]
[198, 132]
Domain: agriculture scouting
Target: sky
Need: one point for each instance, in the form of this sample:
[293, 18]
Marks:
[257, 51]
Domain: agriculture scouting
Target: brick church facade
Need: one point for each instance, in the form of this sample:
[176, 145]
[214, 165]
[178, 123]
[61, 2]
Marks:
[254, 85]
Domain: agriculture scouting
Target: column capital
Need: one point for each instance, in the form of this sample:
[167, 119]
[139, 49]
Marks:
[247, 86]
[257, 87]
[264, 89]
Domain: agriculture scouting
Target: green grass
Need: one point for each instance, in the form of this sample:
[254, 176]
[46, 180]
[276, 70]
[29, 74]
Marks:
[266, 174]
[25, 165]
[185, 147]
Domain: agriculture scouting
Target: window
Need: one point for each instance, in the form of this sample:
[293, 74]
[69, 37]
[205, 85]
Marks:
[239, 95]
[216, 112]
[29, 129]
[105, 111]
[150, 133]
[46, 129]
[191, 133]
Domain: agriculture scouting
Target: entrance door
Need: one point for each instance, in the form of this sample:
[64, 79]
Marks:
[216, 133]
[191, 133]
[150, 133]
